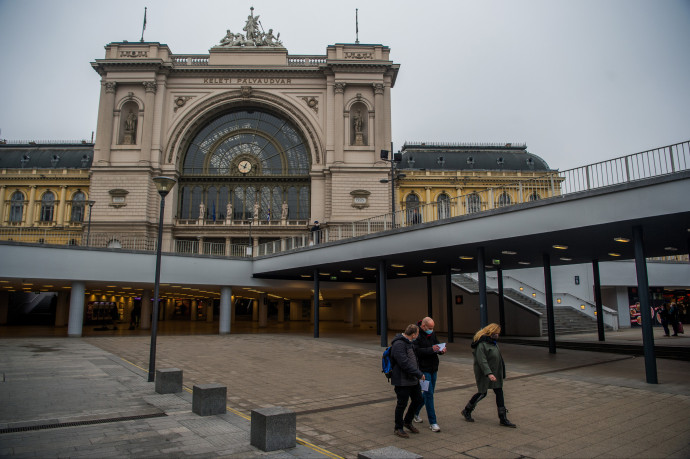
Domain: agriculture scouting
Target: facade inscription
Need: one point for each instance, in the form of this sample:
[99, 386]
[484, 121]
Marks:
[224, 80]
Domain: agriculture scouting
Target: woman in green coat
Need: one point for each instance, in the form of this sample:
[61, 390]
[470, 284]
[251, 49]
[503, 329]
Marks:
[489, 371]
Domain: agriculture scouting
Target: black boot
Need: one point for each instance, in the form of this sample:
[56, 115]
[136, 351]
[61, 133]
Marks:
[467, 412]
[504, 420]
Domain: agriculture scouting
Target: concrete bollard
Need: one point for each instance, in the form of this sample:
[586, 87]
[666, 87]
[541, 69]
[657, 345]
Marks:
[273, 428]
[209, 399]
[168, 381]
[388, 452]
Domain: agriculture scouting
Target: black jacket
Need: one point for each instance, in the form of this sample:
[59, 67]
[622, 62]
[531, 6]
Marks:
[428, 358]
[405, 367]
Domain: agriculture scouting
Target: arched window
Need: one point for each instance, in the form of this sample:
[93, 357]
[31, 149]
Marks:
[47, 206]
[412, 213]
[443, 205]
[78, 207]
[503, 200]
[474, 203]
[534, 196]
[16, 207]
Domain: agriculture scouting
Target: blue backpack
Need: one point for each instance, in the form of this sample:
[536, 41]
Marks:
[387, 363]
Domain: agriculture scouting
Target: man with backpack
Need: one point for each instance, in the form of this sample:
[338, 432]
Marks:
[428, 350]
[405, 376]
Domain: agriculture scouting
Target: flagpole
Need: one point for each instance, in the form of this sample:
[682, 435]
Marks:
[144, 26]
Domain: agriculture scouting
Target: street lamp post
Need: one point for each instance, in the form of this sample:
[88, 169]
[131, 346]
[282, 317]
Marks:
[163, 185]
[88, 231]
[395, 158]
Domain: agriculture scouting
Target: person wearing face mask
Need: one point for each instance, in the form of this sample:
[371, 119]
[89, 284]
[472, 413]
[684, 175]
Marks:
[405, 377]
[489, 372]
[428, 350]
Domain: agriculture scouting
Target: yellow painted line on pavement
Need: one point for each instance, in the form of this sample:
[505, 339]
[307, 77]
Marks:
[318, 449]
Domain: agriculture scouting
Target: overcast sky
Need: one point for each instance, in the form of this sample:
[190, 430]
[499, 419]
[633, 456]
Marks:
[578, 81]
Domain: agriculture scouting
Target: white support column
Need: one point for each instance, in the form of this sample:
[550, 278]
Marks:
[76, 309]
[225, 310]
[145, 321]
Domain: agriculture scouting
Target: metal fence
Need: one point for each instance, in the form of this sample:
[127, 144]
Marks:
[647, 164]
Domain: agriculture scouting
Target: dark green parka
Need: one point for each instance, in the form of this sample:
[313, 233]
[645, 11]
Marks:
[487, 361]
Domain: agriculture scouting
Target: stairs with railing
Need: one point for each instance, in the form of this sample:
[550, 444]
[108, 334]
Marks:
[566, 319]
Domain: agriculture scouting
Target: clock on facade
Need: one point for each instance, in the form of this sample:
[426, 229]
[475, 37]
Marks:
[244, 167]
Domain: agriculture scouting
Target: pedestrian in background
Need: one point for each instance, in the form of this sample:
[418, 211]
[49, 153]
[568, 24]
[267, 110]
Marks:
[428, 350]
[489, 372]
[405, 377]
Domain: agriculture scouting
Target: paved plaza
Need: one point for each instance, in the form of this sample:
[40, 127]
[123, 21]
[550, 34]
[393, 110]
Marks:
[571, 404]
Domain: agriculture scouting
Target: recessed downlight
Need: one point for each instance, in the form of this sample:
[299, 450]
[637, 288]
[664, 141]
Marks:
[560, 246]
[671, 249]
[524, 263]
[305, 275]
[614, 254]
[429, 262]
[393, 265]
[508, 252]
[566, 259]
[401, 274]
[345, 270]
[359, 278]
[465, 257]
[621, 239]
[426, 272]
[369, 268]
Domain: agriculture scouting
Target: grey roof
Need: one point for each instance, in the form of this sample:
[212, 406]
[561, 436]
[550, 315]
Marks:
[46, 156]
[513, 157]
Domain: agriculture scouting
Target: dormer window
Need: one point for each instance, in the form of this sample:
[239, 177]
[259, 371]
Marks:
[55, 160]
[410, 161]
[500, 161]
[25, 160]
[470, 161]
[441, 161]
[530, 163]
[85, 161]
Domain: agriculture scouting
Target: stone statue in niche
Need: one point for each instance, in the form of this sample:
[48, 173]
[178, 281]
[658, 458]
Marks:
[284, 211]
[202, 211]
[228, 213]
[256, 211]
[357, 126]
[130, 128]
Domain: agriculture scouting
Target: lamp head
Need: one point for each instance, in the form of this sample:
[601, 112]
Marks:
[164, 184]
[91, 203]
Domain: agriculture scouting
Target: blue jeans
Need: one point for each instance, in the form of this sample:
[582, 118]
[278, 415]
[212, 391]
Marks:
[428, 397]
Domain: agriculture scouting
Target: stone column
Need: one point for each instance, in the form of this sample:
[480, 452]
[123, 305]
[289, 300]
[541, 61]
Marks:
[2, 204]
[228, 248]
[263, 310]
[428, 210]
[225, 310]
[32, 203]
[151, 88]
[357, 313]
[339, 124]
[193, 311]
[62, 309]
[146, 309]
[4, 306]
[104, 129]
[76, 309]
[379, 113]
[201, 245]
[255, 310]
[281, 311]
[209, 311]
[61, 206]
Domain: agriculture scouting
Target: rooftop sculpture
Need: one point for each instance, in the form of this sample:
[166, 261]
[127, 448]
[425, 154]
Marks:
[254, 35]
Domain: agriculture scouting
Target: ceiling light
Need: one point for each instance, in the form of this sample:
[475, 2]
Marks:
[614, 254]
[464, 257]
[566, 259]
[429, 262]
[621, 239]
[524, 262]
[671, 249]
[509, 252]
[401, 274]
[111, 286]
[305, 275]
[560, 246]
[369, 268]
[345, 270]
[558, 300]
[426, 272]
[397, 266]
[324, 274]
[359, 278]
[582, 306]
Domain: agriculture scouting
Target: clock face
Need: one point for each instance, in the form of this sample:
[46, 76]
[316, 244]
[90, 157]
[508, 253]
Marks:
[244, 166]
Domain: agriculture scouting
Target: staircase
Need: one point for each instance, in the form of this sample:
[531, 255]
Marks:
[566, 320]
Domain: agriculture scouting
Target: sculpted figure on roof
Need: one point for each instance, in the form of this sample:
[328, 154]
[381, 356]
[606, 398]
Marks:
[254, 35]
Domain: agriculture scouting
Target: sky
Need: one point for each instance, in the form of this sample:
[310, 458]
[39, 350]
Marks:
[578, 81]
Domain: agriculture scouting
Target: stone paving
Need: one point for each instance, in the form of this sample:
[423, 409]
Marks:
[571, 404]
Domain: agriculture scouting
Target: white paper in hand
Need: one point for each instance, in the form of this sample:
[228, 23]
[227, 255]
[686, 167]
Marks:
[441, 347]
[425, 385]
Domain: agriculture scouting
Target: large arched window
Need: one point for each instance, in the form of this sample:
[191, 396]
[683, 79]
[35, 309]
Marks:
[412, 214]
[47, 206]
[16, 207]
[474, 203]
[247, 162]
[503, 200]
[443, 205]
[78, 206]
